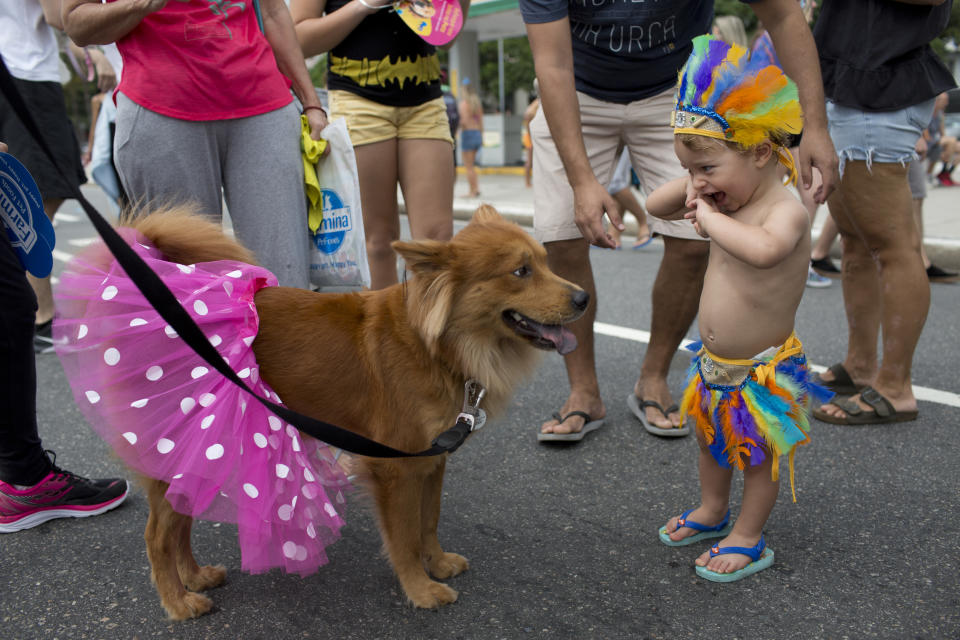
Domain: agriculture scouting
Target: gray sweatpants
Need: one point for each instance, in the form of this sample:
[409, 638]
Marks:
[256, 161]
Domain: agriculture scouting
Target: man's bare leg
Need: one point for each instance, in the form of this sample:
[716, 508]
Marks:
[879, 212]
[570, 259]
[676, 298]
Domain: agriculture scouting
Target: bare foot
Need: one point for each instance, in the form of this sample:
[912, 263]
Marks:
[701, 515]
[657, 391]
[589, 404]
[728, 562]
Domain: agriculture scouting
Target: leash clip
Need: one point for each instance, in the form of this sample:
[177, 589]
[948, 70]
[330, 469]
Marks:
[471, 413]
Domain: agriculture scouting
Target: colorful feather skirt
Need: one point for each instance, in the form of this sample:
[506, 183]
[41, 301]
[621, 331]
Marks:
[747, 410]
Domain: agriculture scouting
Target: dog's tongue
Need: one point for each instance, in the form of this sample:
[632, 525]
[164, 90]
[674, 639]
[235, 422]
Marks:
[560, 336]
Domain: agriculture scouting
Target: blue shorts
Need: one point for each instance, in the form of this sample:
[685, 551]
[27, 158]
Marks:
[877, 136]
[471, 139]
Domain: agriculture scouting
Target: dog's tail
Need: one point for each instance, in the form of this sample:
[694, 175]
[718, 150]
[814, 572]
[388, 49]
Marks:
[185, 236]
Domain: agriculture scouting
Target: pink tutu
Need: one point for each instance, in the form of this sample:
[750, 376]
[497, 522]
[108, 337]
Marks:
[172, 417]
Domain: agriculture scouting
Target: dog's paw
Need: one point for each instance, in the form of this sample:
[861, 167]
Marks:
[447, 565]
[431, 595]
[191, 605]
[207, 577]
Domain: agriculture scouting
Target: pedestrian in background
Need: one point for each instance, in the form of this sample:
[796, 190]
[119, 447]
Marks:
[471, 135]
[396, 116]
[881, 84]
[204, 113]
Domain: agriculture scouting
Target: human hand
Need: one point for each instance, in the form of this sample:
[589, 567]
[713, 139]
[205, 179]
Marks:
[106, 76]
[921, 147]
[317, 119]
[150, 6]
[590, 203]
[816, 150]
[701, 210]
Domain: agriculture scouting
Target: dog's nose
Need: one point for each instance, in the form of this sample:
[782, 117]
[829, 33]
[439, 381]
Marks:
[580, 300]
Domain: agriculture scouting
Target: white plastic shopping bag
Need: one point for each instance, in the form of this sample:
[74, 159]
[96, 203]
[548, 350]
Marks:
[338, 255]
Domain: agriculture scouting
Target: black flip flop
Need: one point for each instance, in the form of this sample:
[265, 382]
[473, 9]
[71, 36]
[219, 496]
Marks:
[638, 406]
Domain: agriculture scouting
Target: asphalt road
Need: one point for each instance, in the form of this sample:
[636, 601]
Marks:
[561, 539]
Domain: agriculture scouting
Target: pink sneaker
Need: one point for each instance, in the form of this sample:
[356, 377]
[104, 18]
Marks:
[59, 495]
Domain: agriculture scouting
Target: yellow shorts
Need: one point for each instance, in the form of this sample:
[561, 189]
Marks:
[369, 121]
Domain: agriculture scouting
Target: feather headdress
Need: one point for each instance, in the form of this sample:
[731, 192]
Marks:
[725, 92]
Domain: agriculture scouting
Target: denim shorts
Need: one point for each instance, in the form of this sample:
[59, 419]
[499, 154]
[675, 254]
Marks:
[877, 136]
[471, 139]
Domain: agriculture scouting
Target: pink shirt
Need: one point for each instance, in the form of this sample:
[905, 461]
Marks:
[202, 60]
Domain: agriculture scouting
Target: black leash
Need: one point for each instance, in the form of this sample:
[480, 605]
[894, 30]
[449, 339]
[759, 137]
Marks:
[158, 295]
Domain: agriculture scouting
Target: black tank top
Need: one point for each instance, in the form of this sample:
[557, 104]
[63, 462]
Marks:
[385, 61]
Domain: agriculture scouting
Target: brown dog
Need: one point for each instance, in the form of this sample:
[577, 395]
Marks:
[390, 365]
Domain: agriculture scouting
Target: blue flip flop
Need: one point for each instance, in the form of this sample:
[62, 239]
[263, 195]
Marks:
[761, 557]
[718, 531]
[641, 245]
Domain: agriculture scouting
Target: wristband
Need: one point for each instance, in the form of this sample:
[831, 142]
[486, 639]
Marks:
[370, 6]
[317, 107]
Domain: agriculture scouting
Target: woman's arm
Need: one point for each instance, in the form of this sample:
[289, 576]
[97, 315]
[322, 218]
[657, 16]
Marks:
[91, 22]
[318, 32]
[278, 28]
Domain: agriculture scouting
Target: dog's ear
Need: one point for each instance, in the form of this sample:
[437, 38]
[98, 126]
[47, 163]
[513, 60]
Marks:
[486, 213]
[423, 256]
[429, 259]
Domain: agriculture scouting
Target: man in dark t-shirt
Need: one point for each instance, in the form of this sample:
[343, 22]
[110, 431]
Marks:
[606, 70]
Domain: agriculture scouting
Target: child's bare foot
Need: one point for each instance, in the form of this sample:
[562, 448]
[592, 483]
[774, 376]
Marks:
[728, 562]
[707, 518]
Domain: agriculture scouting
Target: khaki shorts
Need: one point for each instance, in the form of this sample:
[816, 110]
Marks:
[369, 121]
[642, 126]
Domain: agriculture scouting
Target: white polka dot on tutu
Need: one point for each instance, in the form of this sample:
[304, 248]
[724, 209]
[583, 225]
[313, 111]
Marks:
[154, 373]
[215, 340]
[186, 268]
[235, 273]
[311, 531]
[309, 491]
[207, 399]
[249, 340]
[330, 510]
[165, 445]
[199, 372]
[282, 470]
[81, 331]
[109, 293]
[111, 356]
[187, 404]
[260, 440]
[140, 404]
[228, 287]
[171, 333]
[307, 475]
[244, 373]
[250, 490]
[206, 422]
[92, 396]
[285, 512]
[200, 307]
[214, 452]
[130, 437]
[275, 423]
[137, 322]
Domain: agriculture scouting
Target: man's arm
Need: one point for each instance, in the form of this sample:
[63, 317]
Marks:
[553, 60]
[795, 47]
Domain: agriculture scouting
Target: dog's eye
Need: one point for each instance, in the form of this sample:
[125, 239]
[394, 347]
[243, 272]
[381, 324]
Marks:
[522, 272]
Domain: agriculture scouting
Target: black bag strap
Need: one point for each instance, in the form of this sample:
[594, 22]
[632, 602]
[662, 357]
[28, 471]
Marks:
[158, 295]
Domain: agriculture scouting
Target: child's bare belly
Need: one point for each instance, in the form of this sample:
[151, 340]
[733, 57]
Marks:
[740, 324]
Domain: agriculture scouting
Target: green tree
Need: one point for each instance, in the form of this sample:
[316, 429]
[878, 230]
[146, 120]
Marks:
[517, 70]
